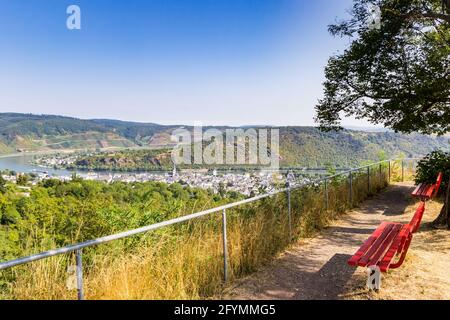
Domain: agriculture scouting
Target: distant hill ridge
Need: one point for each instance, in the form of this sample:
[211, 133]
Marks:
[300, 146]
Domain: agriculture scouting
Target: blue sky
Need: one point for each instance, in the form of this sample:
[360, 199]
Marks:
[223, 62]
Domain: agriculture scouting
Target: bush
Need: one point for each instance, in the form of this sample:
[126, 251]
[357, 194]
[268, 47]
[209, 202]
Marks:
[2, 184]
[429, 167]
[22, 180]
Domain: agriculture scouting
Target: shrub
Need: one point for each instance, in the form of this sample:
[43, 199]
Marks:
[429, 167]
[2, 184]
[22, 180]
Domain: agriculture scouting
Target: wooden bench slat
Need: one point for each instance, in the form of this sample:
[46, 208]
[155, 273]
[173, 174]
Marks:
[428, 191]
[384, 247]
[417, 218]
[402, 257]
[418, 190]
[366, 257]
[424, 190]
[367, 244]
[396, 248]
[438, 182]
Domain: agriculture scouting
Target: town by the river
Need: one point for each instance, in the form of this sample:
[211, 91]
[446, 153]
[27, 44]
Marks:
[245, 182]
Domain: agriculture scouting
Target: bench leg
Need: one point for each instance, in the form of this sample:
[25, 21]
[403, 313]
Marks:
[403, 254]
[373, 278]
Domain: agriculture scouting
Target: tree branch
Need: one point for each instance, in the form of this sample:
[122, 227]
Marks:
[416, 14]
[435, 16]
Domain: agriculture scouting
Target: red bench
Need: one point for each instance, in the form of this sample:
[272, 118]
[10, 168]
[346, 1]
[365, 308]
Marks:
[428, 191]
[386, 248]
[389, 241]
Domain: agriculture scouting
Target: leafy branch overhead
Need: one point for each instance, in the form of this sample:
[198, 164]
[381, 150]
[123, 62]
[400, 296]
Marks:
[397, 73]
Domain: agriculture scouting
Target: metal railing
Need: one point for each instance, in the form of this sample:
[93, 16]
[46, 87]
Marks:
[77, 248]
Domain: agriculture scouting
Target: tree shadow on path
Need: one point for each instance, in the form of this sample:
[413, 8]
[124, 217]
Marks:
[394, 202]
[333, 276]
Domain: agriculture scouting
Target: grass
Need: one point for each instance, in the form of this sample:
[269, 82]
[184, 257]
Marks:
[186, 261]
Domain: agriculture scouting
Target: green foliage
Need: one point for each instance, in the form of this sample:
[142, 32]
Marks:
[382, 155]
[13, 124]
[309, 147]
[181, 261]
[331, 170]
[127, 160]
[429, 168]
[2, 184]
[396, 75]
[60, 213]
[22, 179]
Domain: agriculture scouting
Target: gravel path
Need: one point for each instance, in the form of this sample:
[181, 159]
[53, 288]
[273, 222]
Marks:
[316, 268]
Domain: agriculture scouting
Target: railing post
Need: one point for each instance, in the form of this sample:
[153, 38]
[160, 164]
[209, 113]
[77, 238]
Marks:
[225, 246]
[289, 212]
[326, 194]
[389, 173]
[350, 176]
[403, 170]
[381, 173]
[368, 180]
[79, 260]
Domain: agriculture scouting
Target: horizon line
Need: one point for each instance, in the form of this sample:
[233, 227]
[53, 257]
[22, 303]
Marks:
[174, 124]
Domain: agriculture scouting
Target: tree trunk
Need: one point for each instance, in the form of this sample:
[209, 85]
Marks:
[444, 216]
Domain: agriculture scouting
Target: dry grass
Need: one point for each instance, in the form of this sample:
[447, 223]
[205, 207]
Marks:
[408, 170]
[185, 261]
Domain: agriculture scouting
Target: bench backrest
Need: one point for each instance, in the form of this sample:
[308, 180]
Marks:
[438, 183]
[417, 218]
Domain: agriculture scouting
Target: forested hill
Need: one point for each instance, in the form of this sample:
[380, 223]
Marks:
[307, 146]
[300, 146]
[27, 132]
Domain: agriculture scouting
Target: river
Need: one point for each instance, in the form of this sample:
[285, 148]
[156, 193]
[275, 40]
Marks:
[22, 164]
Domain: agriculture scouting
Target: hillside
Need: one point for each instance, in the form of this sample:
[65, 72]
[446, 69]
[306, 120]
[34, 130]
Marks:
[300, 146]
[29, 133]
[306, 146]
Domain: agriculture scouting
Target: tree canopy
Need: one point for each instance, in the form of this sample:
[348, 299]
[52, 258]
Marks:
[395, 73]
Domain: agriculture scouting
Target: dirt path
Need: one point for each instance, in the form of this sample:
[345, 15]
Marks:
[317, 269]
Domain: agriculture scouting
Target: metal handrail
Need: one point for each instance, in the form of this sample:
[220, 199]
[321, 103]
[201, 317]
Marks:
[79, 246]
